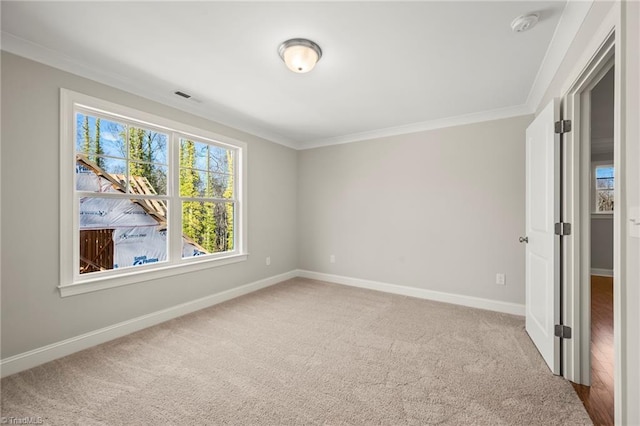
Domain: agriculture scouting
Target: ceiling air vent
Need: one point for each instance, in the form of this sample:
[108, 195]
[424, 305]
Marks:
[182, 94]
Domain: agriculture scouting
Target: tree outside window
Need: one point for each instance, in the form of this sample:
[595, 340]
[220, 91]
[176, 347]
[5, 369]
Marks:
[604, 184]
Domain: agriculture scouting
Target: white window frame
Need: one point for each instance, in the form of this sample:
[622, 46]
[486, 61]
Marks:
[594, 189]
[71, 282]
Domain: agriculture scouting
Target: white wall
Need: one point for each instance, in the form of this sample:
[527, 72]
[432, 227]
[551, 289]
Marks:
[438, 210]
[33, 313]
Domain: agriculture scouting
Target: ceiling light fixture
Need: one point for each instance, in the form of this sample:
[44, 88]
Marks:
[524, 22]
[300, 54]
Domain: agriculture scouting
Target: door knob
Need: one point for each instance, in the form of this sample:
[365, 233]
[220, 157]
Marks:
[523, 239]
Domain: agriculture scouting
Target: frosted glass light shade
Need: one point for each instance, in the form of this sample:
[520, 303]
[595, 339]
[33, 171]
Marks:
[300, 55]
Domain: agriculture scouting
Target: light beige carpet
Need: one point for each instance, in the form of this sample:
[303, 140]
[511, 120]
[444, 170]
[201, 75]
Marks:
[306, 352]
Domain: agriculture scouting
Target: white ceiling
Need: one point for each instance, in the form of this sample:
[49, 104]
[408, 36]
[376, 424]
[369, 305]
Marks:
[387, 67]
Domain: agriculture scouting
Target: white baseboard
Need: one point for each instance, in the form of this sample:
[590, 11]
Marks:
[602, 272]
[66, 347]
[456, 299]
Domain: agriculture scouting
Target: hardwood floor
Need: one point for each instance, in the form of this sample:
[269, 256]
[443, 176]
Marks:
[598, 398]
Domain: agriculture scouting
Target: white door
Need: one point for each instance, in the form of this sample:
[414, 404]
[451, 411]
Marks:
[542, 279]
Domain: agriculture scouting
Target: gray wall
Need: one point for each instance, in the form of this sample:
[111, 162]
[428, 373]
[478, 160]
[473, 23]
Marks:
[33, 313]
[439, 210]
[602, 106]
[602, 242]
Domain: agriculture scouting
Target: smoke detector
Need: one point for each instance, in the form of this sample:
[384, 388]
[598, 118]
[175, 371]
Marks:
[524, 23]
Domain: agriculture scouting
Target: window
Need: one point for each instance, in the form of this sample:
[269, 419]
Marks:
[143, 197]
[603, 188]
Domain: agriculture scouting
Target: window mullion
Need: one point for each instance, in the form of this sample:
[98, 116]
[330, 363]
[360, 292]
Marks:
[76, 235]
[122, 195]
[208, 199]
[127, 156]
[238, 213]
[175, 206]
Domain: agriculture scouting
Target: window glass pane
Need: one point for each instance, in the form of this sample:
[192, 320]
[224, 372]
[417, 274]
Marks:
[104, 175]
[604, 201]
[193, 183]
[207, 228]
[139, 246]
[604, 172]
[96, 136]
[195, 159]
[220, 185]
[147, 178]
[113, 166]
[121, 233]
[604, 186]
[201, 157]
[147, 145]
[220, 160]
[604, 177]
[193, 154]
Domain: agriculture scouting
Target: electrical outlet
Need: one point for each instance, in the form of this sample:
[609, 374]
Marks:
[332, 258]
[268, 260]
[501, 279]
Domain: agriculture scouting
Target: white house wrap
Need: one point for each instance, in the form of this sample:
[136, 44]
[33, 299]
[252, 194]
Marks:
[138, 237]
[112, 213]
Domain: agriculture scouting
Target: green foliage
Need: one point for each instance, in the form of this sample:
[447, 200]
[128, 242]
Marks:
[98, 145]
[143, 152]
[192, 211]
[228, 193]
[136, 152]
[208, 223]
[87, 145]
[92, 146]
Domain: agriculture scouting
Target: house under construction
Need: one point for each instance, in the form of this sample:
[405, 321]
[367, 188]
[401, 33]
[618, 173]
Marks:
[121, 232]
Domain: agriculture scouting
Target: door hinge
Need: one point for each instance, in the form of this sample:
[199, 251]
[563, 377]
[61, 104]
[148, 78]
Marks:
[562, 228]
[562, 331]
[563, 126]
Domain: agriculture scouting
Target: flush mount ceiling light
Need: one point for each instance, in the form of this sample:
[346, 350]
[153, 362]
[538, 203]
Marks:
[524, 22]
[300, 54]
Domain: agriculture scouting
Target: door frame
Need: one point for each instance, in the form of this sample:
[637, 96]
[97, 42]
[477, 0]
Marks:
[605, 50]
[578, 208]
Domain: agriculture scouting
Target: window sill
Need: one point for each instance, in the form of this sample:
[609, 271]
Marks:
[102, 283]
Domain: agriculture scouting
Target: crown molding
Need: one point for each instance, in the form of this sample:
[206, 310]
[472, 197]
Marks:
[460, 120]
[55, 59]
[573, 16]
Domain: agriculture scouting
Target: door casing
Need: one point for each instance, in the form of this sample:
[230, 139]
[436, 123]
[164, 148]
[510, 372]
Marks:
[605, 51]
